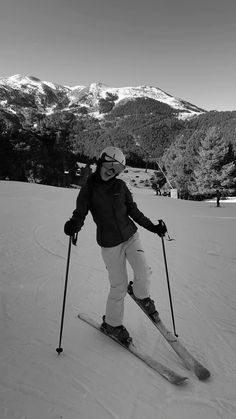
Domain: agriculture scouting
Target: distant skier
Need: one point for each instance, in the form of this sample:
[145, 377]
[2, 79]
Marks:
[113, 210]
[218, 196]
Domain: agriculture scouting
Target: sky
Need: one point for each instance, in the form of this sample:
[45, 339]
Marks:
[185, 47]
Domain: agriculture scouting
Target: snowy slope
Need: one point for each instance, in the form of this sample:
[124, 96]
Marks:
[94, 378]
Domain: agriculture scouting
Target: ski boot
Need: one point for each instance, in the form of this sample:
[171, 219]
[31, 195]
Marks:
[147, 304]
[119, 333]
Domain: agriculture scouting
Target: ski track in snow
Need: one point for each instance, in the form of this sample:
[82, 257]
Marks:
[40, 244]
[93, 378]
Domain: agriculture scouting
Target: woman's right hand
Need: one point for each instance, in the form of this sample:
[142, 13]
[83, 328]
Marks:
[70, 227]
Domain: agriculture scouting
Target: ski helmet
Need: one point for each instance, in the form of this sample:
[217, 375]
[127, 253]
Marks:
[113, 158]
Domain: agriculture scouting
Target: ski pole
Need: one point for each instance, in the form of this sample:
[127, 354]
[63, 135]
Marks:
[60, 349]
[168, 283]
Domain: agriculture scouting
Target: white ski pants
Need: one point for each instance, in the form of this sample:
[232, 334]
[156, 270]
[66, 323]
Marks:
[115, 261]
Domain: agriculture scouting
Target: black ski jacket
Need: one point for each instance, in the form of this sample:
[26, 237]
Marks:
[112, 208]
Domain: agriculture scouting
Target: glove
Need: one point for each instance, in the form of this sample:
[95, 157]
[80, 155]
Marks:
[70, 227]
[159, 228]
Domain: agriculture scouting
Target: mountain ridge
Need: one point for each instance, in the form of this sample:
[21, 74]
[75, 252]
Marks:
[21, 93]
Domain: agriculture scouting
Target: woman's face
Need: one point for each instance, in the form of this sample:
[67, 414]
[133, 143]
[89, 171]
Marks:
[106, 174]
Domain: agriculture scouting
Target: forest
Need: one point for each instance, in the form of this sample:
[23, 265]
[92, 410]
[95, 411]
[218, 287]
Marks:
[197, 155]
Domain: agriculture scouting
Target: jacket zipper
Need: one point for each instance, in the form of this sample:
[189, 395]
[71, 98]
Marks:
[115, 218]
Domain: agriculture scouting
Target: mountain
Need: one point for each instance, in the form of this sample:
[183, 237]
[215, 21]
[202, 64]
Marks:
[45, 128]
[24, 99]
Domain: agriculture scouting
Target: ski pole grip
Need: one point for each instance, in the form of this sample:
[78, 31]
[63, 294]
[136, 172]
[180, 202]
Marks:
[161, 222]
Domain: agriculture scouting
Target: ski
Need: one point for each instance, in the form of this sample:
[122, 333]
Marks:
[190, 362]
[167, 373]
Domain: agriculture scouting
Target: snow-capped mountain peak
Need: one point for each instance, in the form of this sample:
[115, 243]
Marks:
[20, 93]
[18, 80]
[101, 91]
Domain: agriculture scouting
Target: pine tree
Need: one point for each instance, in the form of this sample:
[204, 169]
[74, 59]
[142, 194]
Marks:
[179, 165]
[215, 167]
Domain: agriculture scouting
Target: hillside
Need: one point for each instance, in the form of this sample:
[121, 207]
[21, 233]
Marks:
[93, 114]
[94, 378]
[45, 129]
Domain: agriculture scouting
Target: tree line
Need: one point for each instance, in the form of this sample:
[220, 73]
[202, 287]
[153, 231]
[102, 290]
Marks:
[198, 155]
[202, 158]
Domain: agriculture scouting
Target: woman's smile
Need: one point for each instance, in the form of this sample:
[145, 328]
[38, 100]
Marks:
[107, 174]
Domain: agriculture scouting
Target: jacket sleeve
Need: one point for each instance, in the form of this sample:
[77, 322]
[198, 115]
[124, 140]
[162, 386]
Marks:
[135, 213]
[82, 207]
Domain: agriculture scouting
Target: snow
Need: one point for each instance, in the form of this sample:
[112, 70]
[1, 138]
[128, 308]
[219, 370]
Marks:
[75, 87]
[94, 378]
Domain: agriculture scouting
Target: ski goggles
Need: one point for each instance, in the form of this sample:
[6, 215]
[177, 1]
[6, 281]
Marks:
[111, 164]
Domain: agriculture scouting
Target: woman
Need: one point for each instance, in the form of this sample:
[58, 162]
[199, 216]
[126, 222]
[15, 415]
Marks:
[114, 212]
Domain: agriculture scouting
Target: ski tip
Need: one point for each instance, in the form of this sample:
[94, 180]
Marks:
[203, 374]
